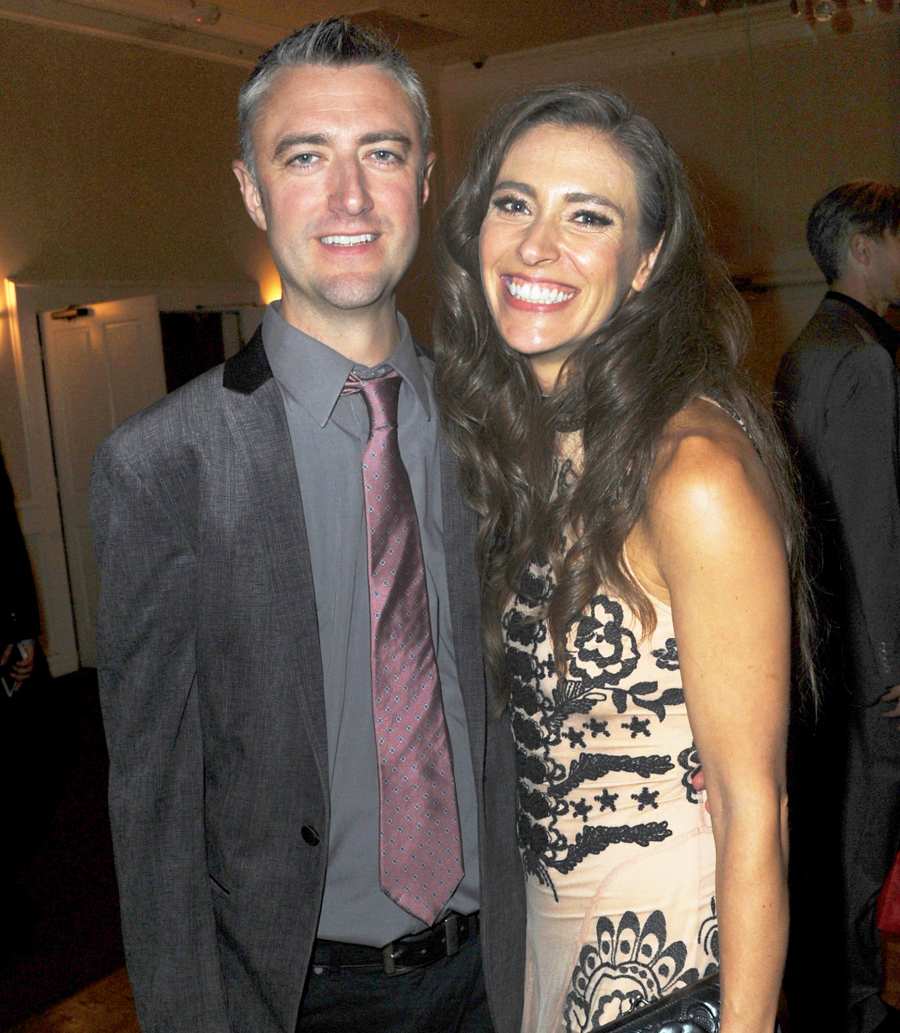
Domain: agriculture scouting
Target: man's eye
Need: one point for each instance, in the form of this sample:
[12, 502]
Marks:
[386, 156]
[303, 159]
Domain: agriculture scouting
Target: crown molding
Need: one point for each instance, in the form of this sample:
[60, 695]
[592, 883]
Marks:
[164, 25]
[681, 39]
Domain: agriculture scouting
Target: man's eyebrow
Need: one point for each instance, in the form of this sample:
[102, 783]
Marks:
[296, 140]
[386, 135]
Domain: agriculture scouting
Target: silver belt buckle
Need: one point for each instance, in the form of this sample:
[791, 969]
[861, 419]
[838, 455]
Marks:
[451, 935]
[387, 957]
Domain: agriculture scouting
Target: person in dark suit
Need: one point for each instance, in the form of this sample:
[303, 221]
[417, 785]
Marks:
[241, 664]
[19, 620]
[837, 389]
[35, 738]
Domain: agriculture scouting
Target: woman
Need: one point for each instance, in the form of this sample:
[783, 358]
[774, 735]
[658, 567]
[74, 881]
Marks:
[638, 542]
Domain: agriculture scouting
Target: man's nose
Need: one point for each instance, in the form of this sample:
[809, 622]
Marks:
[539, 243]
[349, 194]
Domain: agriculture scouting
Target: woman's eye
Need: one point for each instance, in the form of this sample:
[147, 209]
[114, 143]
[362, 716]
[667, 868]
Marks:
[589, 218]
[511, 205]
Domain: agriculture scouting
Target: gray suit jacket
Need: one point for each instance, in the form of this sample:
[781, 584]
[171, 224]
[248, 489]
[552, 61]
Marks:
[211, 686]
[837, 395]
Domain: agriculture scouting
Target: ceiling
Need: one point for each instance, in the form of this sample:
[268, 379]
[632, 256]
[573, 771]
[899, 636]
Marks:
[432, 32]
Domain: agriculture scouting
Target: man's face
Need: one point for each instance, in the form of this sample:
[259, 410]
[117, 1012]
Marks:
[338, 189]
[883, 274]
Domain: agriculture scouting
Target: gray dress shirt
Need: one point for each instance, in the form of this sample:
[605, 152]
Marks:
[328, 431]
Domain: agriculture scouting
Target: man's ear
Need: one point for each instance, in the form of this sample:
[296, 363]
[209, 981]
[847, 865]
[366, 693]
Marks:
[250, 192]
[430, 159]
[646, 267]
[859, 250]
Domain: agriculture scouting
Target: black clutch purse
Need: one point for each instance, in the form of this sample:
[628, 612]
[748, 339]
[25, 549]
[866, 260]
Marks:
[695, 1009]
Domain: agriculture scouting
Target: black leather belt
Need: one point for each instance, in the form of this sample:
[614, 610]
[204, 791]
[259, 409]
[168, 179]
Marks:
[442, 940]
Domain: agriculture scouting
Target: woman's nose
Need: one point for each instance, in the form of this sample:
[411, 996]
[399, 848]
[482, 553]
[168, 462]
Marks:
[539, 243]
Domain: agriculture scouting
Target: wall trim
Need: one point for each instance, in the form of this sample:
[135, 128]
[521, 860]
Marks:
[682, 39]
[233, 40]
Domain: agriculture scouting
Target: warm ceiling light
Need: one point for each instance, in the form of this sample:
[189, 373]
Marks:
[204, 13]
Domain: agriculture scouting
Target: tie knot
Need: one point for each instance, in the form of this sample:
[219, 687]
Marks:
[380, 395]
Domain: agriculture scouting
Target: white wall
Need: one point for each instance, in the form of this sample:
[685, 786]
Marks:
[114, 168]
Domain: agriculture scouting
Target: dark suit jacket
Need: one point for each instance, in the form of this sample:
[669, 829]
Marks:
[18, 603]
[211, 685]
[837, 392]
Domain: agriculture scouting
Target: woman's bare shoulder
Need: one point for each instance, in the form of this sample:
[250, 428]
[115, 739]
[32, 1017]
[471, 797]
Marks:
[708, 475]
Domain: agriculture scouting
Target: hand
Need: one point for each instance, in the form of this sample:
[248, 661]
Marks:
[21, 670]
[892, 696]
[698, 781]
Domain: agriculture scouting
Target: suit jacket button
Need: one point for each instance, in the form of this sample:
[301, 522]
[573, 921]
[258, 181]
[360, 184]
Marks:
[310, 835]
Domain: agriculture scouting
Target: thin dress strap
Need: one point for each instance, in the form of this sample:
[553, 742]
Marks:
[729, 410]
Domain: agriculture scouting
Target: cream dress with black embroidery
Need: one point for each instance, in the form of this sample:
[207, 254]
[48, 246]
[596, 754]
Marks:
[617, 846]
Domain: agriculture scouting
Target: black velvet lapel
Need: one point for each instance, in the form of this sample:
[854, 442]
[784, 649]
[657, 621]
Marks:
[249, 369]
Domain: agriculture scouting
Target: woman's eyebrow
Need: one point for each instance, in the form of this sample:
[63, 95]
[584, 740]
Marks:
[580, 198]
[512, 184]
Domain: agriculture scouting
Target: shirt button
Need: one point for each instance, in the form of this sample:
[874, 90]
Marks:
[310, 836]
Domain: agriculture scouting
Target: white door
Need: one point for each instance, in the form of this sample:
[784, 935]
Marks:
[101, 366]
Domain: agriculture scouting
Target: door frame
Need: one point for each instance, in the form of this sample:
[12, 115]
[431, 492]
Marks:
[39, 513]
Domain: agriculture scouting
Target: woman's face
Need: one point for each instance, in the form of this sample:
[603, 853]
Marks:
[559, 245]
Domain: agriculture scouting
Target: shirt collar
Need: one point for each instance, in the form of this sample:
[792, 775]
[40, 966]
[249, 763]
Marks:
[314, 374]
[884, 333]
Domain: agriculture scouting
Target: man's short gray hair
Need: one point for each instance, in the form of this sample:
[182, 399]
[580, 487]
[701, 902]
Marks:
[336, 42]
[863, 206]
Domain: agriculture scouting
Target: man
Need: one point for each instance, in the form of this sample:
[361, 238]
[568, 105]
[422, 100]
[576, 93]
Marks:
[26, 725]
[269, 877]
[19, 618]
[838, 388]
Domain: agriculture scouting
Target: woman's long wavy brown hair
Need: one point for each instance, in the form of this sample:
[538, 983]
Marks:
[680, 337]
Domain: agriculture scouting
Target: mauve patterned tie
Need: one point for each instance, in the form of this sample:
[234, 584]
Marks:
[420, 846]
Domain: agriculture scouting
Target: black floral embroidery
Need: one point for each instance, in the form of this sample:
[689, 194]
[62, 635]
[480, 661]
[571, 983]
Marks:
[603, 654]
[567, 813]
[629, 965]
[637, 726]
[604, 651]
[708, 938]
[637, 692]
[575, 737]
[582, 809]
[594, 839]
[597, 728]
[607, 800]
[689, 759]
[667, 657]
[563, 476]
[592, 766]
[646, 798]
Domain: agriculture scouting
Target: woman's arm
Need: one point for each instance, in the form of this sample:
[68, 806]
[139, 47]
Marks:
[719, 550]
